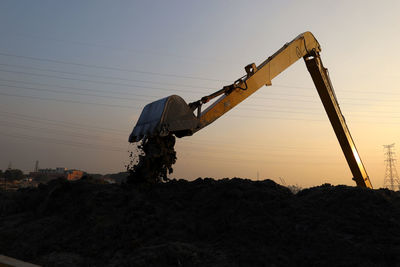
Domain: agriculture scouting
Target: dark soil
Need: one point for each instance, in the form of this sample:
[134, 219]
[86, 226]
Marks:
[155, 155]
[206, 222]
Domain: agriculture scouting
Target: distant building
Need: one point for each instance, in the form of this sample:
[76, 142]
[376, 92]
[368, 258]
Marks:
[74, 175]
[58, 172]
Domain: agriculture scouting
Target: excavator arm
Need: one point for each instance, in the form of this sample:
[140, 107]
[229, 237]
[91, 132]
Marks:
[325, 90]
[258, 76]
[173, 115]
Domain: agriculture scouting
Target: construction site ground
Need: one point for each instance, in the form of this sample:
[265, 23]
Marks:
[206, 222]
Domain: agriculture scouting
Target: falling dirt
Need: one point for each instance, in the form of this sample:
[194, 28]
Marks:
[153, 161]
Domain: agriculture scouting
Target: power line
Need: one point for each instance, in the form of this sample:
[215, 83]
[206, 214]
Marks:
[310, 96]
[78, 88]
[154, 73]
[132, 107]
[147, 87]
[110, 83]
[122, 92]
[73, 125]
[104, 76]
[68, 101]
[110, 149]
[109, 67]
[183, 85]
[60, 142]
[297, 100]
[151, 97]
[92, 81]
[143, 72]
[186, 91]
[341, 91]
[244, 152]
[350, 114]
[95, 95]
[302, 119]
[212, 142]
[48, 130]
[68, 142]
[201, 145]
[91, 137]
[80, 43]
[80, 102]
[242, 149]
[86, 145]
[174, 84]
[156, 88]
[73, 93]
[87, 127]
[246, 160]
[185, 143]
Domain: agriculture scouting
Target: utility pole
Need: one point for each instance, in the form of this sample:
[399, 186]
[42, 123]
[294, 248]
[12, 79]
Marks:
[37, 166]
[391, 180]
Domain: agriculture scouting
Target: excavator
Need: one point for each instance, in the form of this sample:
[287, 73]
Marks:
[172, 115]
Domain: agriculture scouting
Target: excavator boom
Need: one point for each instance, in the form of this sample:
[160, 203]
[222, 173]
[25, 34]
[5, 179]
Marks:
[258, 76]
[171, 115]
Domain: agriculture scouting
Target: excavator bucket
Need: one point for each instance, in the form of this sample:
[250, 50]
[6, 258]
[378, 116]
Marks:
[165, 116]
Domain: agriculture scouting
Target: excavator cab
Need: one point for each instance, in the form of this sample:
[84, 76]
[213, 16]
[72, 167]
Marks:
[169, 115]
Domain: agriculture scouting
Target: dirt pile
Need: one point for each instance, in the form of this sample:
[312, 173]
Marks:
[206, 222]
[156, 155]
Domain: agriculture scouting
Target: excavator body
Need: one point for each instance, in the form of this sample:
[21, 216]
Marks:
[172, 115]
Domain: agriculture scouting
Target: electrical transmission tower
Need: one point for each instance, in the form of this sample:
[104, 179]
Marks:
[391, 180]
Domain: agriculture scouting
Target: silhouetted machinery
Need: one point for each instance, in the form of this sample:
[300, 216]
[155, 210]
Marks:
[172, 115]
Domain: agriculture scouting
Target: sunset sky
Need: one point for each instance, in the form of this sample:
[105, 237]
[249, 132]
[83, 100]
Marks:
[75, 75]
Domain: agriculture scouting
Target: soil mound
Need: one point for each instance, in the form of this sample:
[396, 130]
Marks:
[229, 222]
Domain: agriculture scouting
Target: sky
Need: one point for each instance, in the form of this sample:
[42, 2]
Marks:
[75, 75]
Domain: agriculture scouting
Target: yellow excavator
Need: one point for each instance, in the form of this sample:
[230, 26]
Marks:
[172, 115]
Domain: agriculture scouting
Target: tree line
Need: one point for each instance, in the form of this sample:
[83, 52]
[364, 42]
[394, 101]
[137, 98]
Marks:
[12, 174]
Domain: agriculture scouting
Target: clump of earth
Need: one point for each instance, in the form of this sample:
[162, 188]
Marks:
[153, 160]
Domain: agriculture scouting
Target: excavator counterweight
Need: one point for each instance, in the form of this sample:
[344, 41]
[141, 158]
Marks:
[172, 115]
